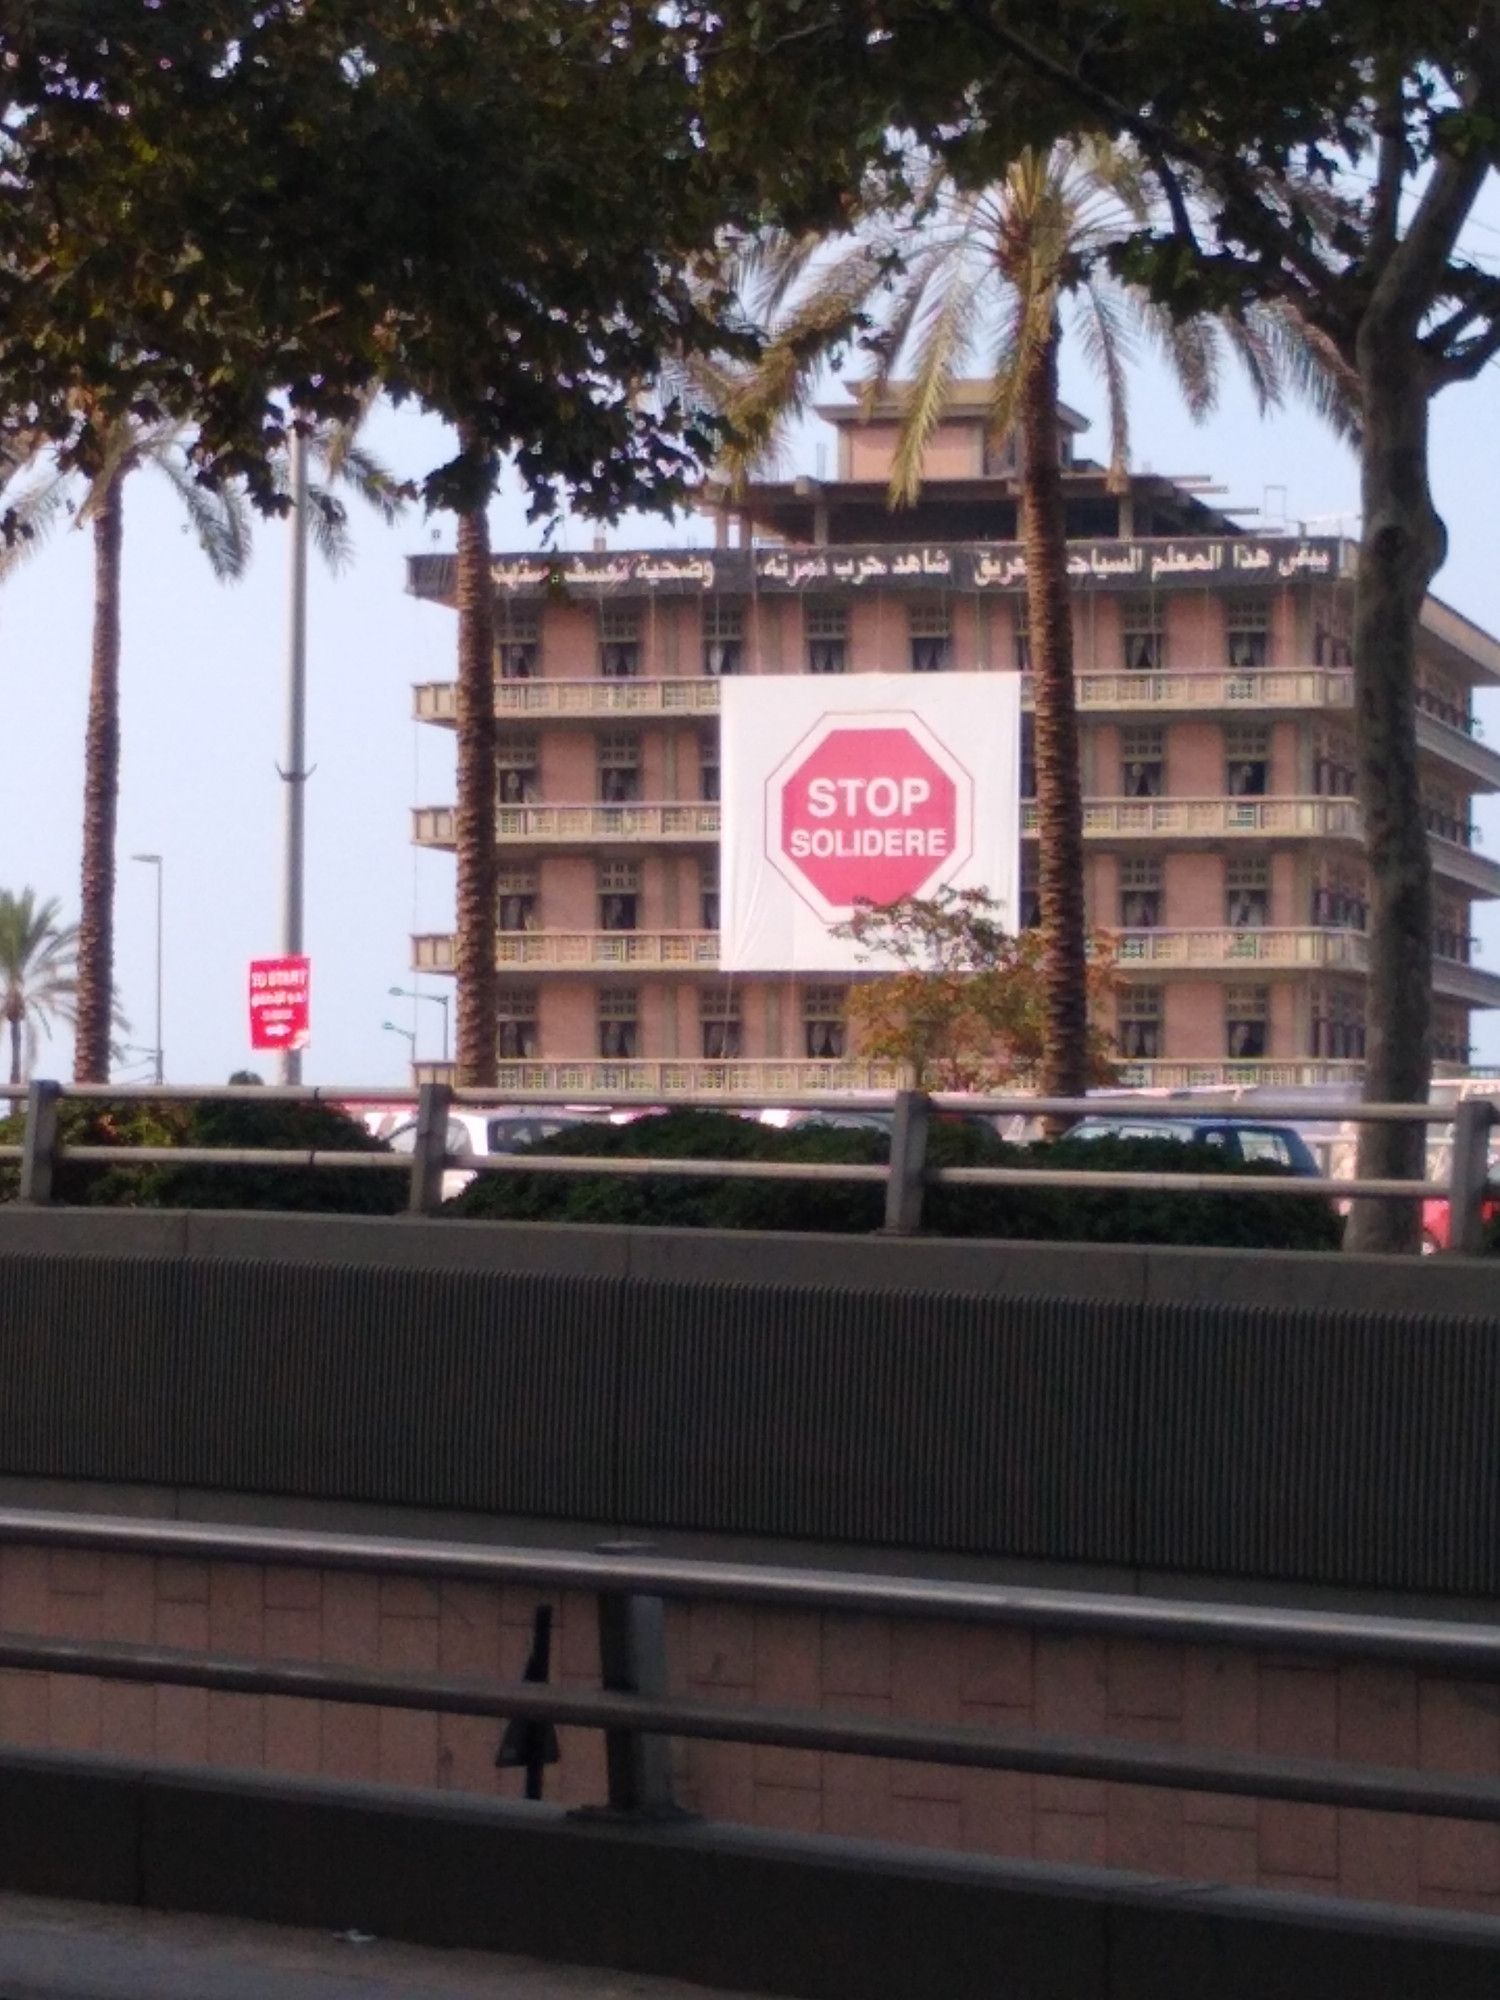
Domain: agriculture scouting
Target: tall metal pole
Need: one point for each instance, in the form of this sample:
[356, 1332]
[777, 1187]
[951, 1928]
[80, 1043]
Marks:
[159, 1058]
[294, 771]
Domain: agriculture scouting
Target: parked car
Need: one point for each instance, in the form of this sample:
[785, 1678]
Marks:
[1243, 1140]
[488, 1132]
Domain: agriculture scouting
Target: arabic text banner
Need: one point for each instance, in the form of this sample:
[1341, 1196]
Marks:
[863, 789]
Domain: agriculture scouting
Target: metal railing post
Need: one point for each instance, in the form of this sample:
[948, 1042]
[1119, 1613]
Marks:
[1469, 1176]
[39, 1143]
[430, 1153]
[905, 1187]
[633, 1660]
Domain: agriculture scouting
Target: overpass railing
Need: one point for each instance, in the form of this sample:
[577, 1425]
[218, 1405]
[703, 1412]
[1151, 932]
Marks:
[905, 1176]
[638, 1716]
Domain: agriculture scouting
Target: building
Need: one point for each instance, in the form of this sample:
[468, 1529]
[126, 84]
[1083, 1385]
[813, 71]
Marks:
[1216, 698]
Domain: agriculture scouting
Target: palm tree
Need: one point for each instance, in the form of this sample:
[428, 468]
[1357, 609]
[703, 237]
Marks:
[218, 521]
[474, 830]
[37, 983]
[949, 273]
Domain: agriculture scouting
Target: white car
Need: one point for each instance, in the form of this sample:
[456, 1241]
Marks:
[488, 1132]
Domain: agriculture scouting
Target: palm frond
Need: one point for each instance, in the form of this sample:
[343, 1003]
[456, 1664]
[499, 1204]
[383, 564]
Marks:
[1311, 367]
[945, 334]
[1257, 356]
[216, 516]
[1105, 339]
[30, 508]
[328, 527]
[373, 481]
[1192, 350]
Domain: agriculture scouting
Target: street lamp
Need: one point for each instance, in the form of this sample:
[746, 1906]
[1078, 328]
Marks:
[407, 1034]
[437, 999]
[154, 861]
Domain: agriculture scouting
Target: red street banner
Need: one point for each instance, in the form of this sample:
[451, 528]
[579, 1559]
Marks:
[279, 1003]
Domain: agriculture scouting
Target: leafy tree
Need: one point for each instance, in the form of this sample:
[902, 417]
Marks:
[946, 276]
[223, 212]
[1325, 156]
[217, 519]
[969, 1006]
[37, 977]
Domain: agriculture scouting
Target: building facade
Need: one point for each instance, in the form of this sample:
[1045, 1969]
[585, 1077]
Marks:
[1215, 687]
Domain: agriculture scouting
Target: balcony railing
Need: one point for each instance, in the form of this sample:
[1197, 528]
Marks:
[549, 826]
[1213, 819]
[1204, 690]
[559, 950]
[761, 1080]
[1233, 947]
[575, 700]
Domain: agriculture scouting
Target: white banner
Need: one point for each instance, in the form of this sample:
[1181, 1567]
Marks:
[865, 787]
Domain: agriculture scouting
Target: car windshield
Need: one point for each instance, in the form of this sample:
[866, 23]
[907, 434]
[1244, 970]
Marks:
[1147, 1128]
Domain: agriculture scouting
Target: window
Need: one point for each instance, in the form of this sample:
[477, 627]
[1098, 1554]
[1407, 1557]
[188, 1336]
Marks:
[1247, 894]
[1022, 642]
[1339, 898]
[1445, 814]
[1333, 645]
[1138, 1023]
[518, 899]
[619, 754]
[1338, 1023]
[1247, 1022]
[619, 885]
[1028, 754]
[719, 1022]
[518, 634]
[515, 1013]
[825, 1035]
[1143, 635]
[931, 637]
[827, 638]
[1247, 636]
[1143, 760]
[1445, 697]
[1031, 893]
[516, 782]
[723, 636]
[1334, 768]
[708, 892]
[1247, 759]
[1450, 931]
[619, 641]
[1450, 1037]
[618, 1022]
[1140, 894]
[1263, 1145]
[708, 763]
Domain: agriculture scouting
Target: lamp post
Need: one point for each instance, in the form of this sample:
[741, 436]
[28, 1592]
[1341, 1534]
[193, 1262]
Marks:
[408, 1035]
[154, 861]
[294, 774]
[437, 999]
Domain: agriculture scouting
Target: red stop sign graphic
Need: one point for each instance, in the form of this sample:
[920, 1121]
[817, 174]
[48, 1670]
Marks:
[869, 815]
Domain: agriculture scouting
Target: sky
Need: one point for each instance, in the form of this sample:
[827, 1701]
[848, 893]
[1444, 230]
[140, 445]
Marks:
[202, 684]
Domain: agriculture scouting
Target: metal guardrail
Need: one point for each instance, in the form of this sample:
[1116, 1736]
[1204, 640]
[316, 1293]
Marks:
[906, 1176]
[638, 1716]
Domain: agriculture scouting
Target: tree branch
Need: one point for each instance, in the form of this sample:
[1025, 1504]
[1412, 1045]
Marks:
[1243, 189]
[1466, 361]
[1385, 210]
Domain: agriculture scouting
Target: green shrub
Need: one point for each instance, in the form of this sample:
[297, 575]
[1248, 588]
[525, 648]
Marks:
[285, 1127]
[1257, 1218]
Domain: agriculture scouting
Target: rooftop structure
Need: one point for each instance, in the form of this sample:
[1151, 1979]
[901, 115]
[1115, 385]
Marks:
[1215, 685]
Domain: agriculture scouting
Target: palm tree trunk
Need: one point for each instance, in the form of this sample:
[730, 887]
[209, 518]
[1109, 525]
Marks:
[1402, 547]
[101, 788]
[16, 1065]
[1059, 790]
[475, 944]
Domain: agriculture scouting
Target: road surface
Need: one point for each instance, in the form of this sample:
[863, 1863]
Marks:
[91, 1951]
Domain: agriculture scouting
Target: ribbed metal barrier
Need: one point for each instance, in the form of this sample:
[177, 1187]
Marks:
[1350, 1447]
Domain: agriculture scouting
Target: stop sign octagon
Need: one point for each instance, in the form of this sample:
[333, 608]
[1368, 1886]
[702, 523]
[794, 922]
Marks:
[868, 808]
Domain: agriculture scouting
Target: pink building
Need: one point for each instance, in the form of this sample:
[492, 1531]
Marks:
[1216, 697]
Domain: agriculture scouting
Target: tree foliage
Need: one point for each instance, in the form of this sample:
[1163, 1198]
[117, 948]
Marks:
[491, 208]
[38, 973]
[966, 1008]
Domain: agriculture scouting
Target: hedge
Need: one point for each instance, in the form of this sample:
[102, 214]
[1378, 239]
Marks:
[1259, 1218]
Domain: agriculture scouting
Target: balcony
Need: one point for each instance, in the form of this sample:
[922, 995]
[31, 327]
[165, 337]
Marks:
[581, 951]
[1325, 950]
[575, 700]
[1230, 950]
[1261, 690]
[757, 1080]
[578, 826]
[1266, 1073]
[1213, 819]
